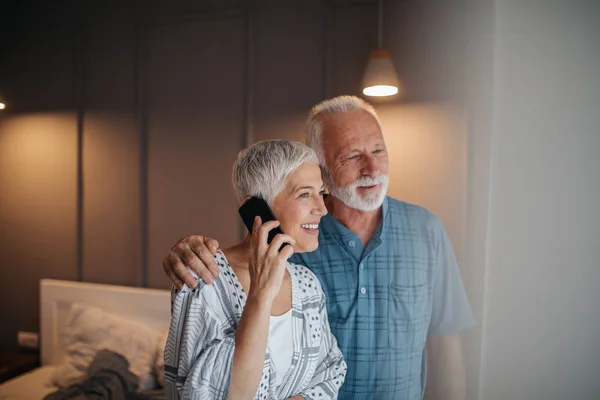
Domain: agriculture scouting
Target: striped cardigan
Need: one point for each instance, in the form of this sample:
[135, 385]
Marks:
[201, 342]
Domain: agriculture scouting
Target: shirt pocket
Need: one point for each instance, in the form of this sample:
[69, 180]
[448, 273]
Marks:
[408, 315]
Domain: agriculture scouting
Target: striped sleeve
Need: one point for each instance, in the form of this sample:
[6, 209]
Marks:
[199, 351]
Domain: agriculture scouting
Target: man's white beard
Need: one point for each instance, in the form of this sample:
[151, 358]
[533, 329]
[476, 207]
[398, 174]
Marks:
[350, 197]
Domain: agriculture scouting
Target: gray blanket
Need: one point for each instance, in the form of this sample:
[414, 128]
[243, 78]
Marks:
[108, 378]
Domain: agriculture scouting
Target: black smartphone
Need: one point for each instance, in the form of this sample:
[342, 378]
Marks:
[257, 206]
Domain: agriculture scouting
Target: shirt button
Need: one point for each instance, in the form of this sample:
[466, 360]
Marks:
[363, 290]
[351, 243]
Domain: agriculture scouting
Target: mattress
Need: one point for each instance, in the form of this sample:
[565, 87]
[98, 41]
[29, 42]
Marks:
[30, 386]
[34, 386]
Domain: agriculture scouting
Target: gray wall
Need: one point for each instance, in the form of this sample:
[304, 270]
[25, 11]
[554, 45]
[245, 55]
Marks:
[534, 194]
[163, 99]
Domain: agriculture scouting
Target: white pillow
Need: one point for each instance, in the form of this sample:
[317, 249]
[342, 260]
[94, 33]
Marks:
[89, 329]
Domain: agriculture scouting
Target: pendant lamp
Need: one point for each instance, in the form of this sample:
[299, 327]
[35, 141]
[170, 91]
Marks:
[380, 77]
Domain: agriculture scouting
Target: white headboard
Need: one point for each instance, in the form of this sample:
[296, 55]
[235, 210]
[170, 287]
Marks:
[149, 306]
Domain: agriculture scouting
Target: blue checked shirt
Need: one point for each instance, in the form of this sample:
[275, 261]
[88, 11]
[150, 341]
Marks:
[384, 300]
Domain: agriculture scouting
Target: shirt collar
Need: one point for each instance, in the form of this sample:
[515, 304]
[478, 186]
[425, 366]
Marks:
[341, 233]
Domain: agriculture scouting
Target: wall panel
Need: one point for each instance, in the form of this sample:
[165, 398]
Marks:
[193, 88]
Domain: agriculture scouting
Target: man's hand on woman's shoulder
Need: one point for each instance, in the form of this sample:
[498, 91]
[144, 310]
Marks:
[195, 252]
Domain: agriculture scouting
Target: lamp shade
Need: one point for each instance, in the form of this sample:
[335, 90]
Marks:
[380, 76]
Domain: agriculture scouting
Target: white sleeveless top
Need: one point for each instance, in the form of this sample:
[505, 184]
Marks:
[281, 344]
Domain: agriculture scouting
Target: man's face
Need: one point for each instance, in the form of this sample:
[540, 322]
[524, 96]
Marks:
[356, 159]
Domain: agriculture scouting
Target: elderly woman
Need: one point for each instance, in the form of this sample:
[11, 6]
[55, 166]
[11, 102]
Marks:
[260, 331]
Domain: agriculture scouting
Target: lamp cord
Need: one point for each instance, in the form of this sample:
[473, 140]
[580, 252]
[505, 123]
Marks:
[380, 26]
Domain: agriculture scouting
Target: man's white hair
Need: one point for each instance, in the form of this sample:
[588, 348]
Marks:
[262, 169]
[339, 104]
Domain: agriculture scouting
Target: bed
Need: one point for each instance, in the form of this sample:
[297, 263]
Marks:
[149, 307]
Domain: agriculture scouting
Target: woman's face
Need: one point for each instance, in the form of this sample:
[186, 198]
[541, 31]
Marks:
[299, 206]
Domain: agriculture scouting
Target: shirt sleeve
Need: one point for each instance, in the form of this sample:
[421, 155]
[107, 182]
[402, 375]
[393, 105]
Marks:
[198, 353]
[331, 369]
[451, 312]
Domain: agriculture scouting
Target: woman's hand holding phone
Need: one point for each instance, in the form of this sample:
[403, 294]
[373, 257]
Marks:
[266, 270]
[267, 263]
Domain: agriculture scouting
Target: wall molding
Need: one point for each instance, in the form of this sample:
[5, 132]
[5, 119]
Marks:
[79, 58]
[246, 130]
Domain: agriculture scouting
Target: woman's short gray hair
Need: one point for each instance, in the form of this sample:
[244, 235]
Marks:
[262, 169]
[339, 104]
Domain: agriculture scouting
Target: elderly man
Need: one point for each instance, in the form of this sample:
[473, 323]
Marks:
[395, 299]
